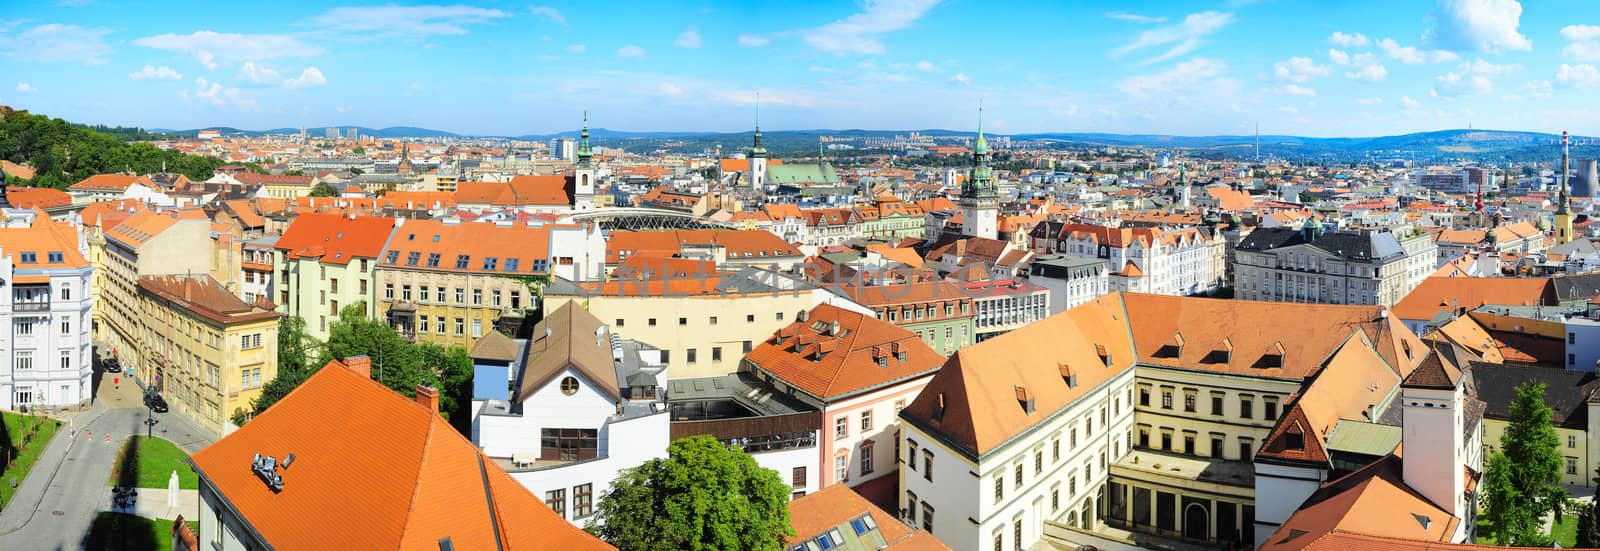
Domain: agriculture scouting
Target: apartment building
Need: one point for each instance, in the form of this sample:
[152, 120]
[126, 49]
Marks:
[325, 262]
[1071, 280]
[1006, 304]
[344, 442]
[1163, 261]
[941, 312]
[151, 243]
[702, 325]
[857, 372]
[208, 352]
[450, 282]
[1165, 416]
[48, 309]
[1309, 265]
[581, 407]
[889, 218]
[728, 248]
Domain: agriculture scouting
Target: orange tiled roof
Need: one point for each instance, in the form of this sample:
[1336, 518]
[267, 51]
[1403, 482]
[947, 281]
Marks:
[141, 227]
[385, 470]
[1374, 502]
[816, 513]
[1440, 294]
[436, 246]
[740, 244]
[810, 356]
[111, 182]
[44, 237]
[337, 239]
[520, 191]
[44, 198]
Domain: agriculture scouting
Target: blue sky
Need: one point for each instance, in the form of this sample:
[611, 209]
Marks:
[1342, 68]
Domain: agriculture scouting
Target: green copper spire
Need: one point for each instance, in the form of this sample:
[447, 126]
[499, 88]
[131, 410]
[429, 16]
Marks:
[981, 184]
[755, 149]
[584, 153]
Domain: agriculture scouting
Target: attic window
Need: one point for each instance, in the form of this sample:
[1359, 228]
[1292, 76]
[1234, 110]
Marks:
[1223, 353]
[54, 257]
[1105, 355]
[938, 407]
[1274, 356]
[393, 257]
[1294, 440]
[1025, 399]
[1422, 520]
[1067, 376]
[30, 258]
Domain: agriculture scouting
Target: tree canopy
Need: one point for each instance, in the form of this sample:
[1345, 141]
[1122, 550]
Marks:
[63, 153]
[322, 189]
[1522, 480]
[702, 496]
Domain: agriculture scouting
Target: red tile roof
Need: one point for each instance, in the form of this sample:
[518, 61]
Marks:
[520, 191]
[337, 239]
[815, 514]
[811, 356]
[384, 470]
[477, 241]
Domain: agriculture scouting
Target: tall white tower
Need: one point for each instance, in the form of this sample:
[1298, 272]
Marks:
[584, 173]
[758, 154]
[980, 205]
[1432, 433]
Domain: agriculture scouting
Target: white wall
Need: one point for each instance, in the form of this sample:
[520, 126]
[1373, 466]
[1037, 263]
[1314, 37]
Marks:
[507, 435]
[784, 462]
[1279, 492]
[1583, 343]
[638, 440]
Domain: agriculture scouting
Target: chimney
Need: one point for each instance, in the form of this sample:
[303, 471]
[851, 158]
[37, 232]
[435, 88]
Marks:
[428, 397]
[360, 364]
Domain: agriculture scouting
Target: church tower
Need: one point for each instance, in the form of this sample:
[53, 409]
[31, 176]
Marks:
[1564, 201]
[758, 155]
[1184, 191]
[1432, 433]
[583, 174]
[980, 205]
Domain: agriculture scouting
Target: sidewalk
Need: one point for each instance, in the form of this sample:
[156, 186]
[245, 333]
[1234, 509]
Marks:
[25, 501]
[152, 503]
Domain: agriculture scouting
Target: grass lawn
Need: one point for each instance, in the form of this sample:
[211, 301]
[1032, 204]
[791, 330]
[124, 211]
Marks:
[121, 532]
[1565, 532]
[151, 464]
[20, 445]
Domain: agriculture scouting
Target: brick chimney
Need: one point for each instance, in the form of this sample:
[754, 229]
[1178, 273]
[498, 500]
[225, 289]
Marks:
[428, 397]
[360, 364]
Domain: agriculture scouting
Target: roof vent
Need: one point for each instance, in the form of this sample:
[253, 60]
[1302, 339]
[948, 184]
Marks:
[1422, 520]
[266, 469]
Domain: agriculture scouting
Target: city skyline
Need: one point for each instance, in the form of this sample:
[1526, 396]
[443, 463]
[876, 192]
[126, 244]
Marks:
[497, 68]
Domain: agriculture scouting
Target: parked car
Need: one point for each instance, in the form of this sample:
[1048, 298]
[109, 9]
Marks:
[112, 365]
[156, 403]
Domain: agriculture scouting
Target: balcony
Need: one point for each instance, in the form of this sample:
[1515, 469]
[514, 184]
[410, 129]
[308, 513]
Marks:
[30, 306]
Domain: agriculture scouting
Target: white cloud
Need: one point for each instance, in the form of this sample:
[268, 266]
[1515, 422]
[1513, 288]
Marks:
[1583, 42]
[1338, 57]
[1410, 55]
[54, 42]
[1486, 26]
[1476, 77]
[1369, 101]
[1369, 73]
[753, 41]
[548, 13]
[25, 87]
[1187, 73]
[1136, 18]
[1299, 69]
[927, 66]
[1581, 77]
[1178, 39]
[342, 109]
[1355, 40]
[258, 74]
[403, 21]
[859, 33]
[962, 78]
[209, 91]
[1410, 103]
[577, 48]
[689, 39]
[217, 94]
[630, 51]
[1297, 90]
[669, 89]
[309, 78]
[1538, 88]
[151, 72]
[211, 46]
[1289, 110]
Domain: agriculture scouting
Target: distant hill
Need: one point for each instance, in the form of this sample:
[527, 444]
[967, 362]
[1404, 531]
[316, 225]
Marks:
[390, 132]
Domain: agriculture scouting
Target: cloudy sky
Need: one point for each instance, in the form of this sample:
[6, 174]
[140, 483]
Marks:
[1347, 68]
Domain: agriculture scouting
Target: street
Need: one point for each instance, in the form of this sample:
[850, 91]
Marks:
[55, 506]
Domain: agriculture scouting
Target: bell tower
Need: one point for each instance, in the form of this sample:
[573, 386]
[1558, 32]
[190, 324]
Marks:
[980, 205]
[584, 174]
[758, 154]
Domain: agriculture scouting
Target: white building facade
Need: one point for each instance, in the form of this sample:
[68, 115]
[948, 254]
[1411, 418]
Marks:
[47, 306]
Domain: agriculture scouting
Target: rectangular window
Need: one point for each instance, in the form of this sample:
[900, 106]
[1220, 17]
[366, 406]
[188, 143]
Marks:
[1246, 450]
[866, 421]
[999, 487]
[1572, 465]
[1572, 441]
[1188, 402]
[388, 291]
[477, 328]
[582, 500]
[461, 326]
[66, 326]
[477, 297]
[693, 357]
[490, 263]
[433, 260]
[716, 353]
[1144, 397]
[461, 296]
[927, 465]
[66, 359]
[462, 260]
[683, 321]
[866, 457]
[1216, 404]
[512, 264]
[1216, 446]
[557, 500]
[438, 295]
[927, 517]
[1017, 479]
[713, 320]
[911, 447]
[797, 477]
[841, 467]
[412, 258]
[1271, 404]
[24, 360]
[1166, 399]
[841, 427]
[911, 506]
[405, 293]
[1245, 407]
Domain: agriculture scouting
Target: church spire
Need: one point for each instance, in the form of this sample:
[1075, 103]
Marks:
[1564, 203]
[755, 149]
[981, 183]
[584, 153]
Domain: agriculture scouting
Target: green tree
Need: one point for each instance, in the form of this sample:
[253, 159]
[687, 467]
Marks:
[702, 496]
[1589, 517]
[294, 348]
[322, 189]
[1524, 476]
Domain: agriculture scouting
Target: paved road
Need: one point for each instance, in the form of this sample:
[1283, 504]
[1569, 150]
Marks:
[54, 507]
